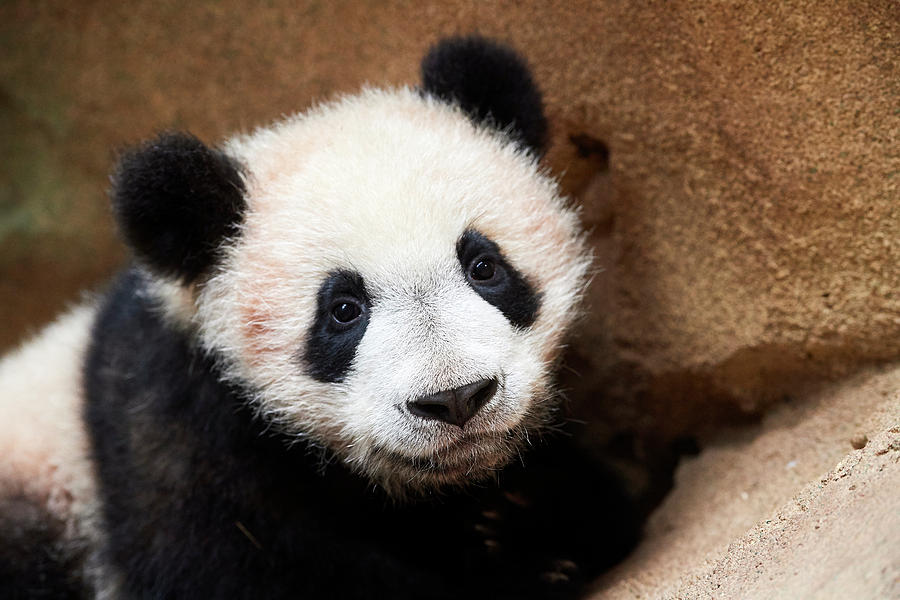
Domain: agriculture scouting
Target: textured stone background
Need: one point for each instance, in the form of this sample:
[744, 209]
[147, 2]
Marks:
[739, 165]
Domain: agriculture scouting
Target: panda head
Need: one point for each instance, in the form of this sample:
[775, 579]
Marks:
[390, 274]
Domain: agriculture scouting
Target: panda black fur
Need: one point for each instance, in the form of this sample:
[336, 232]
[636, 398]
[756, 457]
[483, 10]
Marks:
[337, 333]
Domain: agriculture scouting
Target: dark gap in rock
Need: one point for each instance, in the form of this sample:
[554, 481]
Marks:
[590, 147]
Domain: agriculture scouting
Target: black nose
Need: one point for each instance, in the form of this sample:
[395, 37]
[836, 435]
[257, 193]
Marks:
[455, 406]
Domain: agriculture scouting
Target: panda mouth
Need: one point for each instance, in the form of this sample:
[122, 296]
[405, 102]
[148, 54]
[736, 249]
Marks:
[472, 455]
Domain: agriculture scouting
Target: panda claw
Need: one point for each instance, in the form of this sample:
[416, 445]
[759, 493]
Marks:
[554, 577]
[517, 499]
[565, 565]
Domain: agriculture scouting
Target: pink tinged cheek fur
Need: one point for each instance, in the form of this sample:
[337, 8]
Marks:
[260, 337]
[261, 330]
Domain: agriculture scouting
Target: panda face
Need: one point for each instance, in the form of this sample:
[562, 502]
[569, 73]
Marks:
[398, 287]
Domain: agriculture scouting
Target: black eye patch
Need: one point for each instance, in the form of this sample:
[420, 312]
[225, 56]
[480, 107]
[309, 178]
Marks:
[342, 314]
[495, 280]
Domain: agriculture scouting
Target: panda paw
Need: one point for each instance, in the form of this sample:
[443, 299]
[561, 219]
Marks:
[511, 539]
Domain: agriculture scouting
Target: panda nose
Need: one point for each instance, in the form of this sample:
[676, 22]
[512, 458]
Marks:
[455, 406]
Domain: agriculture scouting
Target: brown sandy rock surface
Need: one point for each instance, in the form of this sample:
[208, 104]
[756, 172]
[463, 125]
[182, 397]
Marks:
[786, 510]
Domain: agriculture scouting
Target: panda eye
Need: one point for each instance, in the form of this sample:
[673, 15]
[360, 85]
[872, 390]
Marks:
[482, 269]
[345, 311]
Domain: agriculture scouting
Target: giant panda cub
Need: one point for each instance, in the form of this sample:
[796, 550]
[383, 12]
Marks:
[327, 373]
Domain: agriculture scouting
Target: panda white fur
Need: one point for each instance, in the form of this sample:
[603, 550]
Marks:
[337, 333]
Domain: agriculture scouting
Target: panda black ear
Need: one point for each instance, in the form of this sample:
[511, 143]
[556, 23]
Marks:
[175, 201]
[490, 82]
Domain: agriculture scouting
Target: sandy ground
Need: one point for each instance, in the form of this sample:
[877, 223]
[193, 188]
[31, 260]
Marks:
[788, 509]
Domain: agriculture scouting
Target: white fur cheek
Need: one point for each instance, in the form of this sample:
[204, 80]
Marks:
[255, 314]
[527, 378]
[561, 298]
